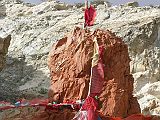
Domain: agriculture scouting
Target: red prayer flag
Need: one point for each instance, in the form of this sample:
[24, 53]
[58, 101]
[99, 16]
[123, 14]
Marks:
[90, 14]
[97, 70]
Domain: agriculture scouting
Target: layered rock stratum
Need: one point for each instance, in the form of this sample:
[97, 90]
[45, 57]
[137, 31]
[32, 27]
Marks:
[34, 28]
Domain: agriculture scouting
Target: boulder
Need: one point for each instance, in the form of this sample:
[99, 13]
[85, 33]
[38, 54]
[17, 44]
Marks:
[132, 4]
[70, 67]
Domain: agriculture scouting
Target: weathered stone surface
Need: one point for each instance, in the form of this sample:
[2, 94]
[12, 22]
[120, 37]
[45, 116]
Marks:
[4, 44]
[132, 4]
[2, 10]
[70, 67]
[34, 28]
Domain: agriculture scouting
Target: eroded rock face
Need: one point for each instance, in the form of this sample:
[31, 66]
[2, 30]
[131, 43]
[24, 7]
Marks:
[34, 28]
[4, 44]
[70, 67]
[2, 9]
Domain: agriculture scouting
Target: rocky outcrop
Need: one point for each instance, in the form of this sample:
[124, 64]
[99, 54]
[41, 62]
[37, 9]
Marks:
[4, 44]
[34, 28]
[3, 6]
[2, 9]
[70, 67]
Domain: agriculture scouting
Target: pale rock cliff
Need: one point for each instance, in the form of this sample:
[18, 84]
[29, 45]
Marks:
[35, 28]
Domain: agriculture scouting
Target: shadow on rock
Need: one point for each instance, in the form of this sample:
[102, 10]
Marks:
[20, 80]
